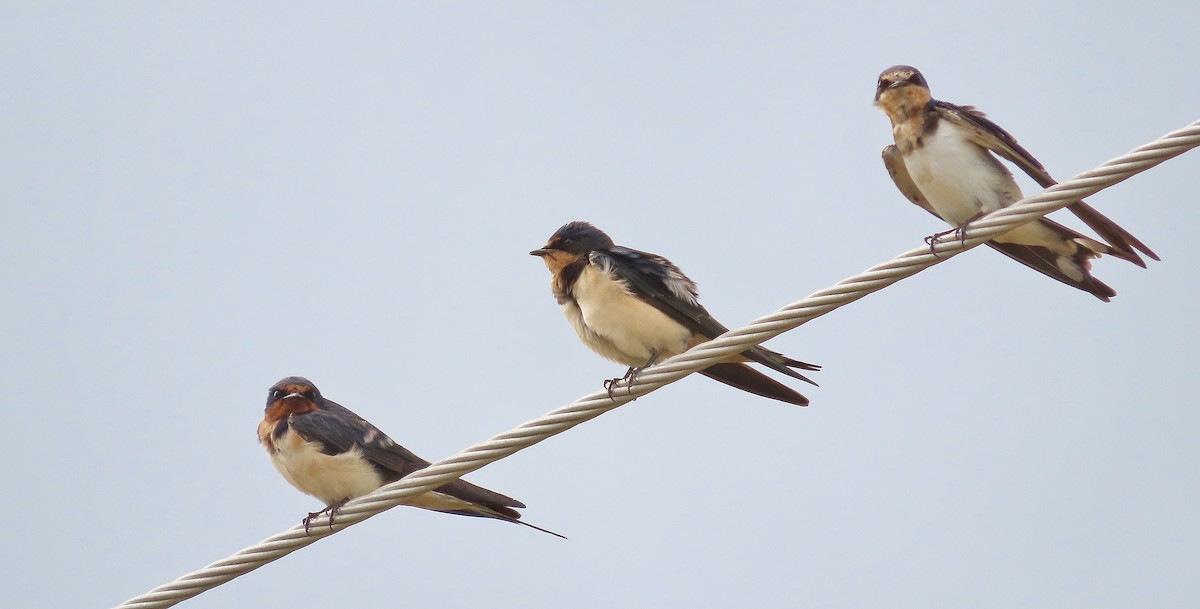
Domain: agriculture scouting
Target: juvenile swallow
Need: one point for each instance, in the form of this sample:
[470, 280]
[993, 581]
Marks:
[636, 308]
[942, 161]
[325, 450]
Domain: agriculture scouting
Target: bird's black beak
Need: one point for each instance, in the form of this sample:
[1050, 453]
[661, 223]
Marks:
[885, 86]
[292, 395]
[540, 252]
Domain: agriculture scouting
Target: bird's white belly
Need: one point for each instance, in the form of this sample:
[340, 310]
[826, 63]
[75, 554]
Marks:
[958, 178]
[330, 478]
[961, 180]
[618, 325]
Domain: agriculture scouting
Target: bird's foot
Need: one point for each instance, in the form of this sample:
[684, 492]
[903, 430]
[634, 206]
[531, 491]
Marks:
[959, 233]
[331, 509]
[933, 239]
[630, 376]
[612, 384]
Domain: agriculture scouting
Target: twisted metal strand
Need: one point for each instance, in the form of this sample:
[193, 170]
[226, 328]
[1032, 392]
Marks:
[673, 369]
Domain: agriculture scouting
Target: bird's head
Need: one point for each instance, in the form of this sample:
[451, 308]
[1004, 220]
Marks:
[294, 394]
[901, 90]
[573, 241]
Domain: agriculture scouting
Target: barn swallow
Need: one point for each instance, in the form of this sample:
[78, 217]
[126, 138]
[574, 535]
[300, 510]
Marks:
[636, 308]
[325, 450]
[942, 161]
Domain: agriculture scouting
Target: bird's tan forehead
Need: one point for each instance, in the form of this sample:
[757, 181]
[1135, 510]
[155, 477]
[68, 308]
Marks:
[898, 75]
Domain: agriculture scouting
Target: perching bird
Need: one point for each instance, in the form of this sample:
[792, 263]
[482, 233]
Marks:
[637, 308]
[942, 161]
[325, 450]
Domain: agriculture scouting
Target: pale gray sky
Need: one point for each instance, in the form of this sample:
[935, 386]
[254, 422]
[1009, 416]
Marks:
[200, 199]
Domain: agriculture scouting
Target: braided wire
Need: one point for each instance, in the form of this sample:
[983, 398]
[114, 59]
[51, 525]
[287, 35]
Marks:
[595, 404]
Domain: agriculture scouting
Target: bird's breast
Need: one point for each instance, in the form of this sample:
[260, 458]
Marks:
[618, 325]
[330, 478]
[959, 178]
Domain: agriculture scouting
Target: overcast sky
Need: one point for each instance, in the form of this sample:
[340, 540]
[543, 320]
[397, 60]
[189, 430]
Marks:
[202, 198]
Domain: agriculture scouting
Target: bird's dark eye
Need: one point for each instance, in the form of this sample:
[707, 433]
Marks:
[567, 241]
[310, 394]
[276, 394]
